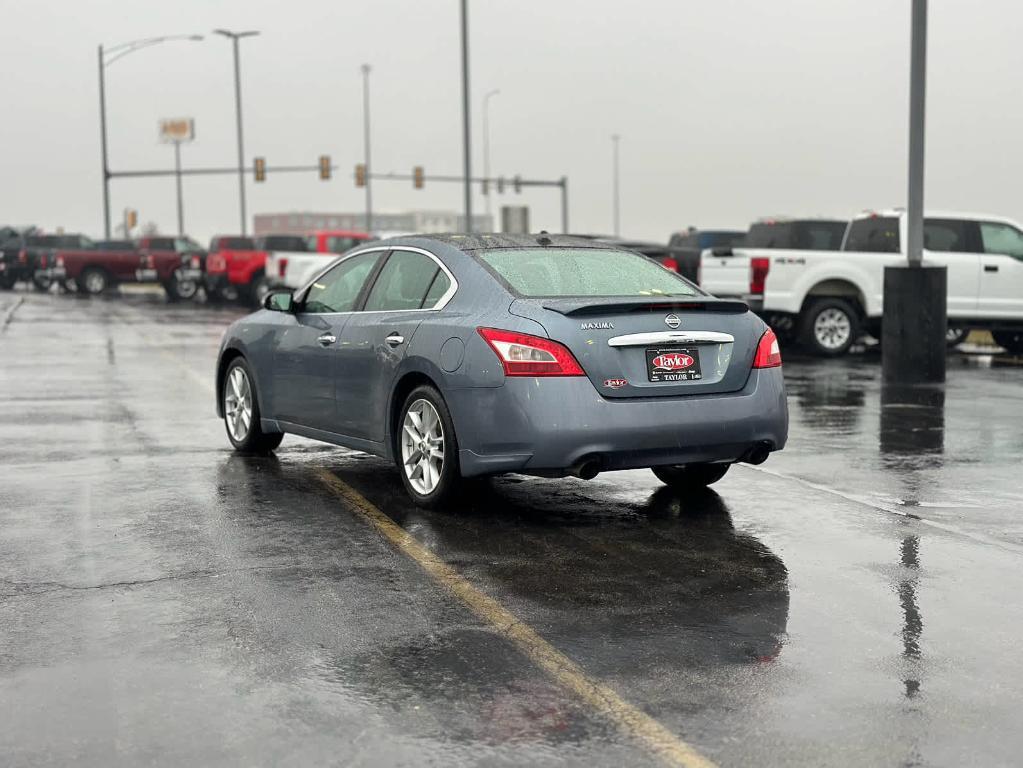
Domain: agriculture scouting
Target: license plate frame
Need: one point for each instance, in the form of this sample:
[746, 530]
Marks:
[658, 374]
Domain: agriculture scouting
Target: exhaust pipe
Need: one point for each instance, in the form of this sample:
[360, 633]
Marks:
[585, 469]
[757, 454]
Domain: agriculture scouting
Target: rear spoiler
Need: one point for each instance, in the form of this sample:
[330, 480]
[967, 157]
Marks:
[598, 306]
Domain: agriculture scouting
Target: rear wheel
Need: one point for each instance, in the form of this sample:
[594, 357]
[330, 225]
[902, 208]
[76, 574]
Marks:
[829, 326]
[179, 289]
[7, 281]
[241, 412]
[42, 282]
[94, 281]
[426, 448]
[1011, 340]
[690, 476]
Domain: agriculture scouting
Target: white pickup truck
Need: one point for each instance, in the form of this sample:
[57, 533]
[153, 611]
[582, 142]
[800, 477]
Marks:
[827, 299]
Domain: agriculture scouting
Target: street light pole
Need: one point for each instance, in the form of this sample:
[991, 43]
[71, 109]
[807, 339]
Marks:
[466, 133]
[614, 182]
[917, 99]
[108, 56]
[366, 154]
[177, 175]
[486, 144]
[235, 37]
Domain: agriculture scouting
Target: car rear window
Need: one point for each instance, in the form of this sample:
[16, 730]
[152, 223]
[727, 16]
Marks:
[557, 272]
[235, 243]
[877, 234]
[293, 243]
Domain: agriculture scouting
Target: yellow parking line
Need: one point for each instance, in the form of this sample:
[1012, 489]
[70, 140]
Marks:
[630, 720]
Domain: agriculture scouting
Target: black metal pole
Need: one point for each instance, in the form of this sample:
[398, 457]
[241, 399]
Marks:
[177, 175]
[103, 146]
[465, 117]
[365, 129]
[241, 144]
[564, 204]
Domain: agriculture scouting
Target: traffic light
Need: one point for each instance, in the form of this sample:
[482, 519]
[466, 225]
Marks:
[517, 184]
[360, 175]
[324, 167]
[417, 177]
[131, 218]
[259, 168]
[500, 185]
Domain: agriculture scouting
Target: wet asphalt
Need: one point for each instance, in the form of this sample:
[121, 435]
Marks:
[853, 601]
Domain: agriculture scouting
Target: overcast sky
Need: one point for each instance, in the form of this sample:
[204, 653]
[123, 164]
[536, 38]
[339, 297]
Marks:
[728, 110]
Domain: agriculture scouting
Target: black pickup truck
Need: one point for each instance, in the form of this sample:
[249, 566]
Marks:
[26, 256]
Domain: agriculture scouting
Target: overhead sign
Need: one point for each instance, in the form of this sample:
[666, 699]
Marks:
[177, 130]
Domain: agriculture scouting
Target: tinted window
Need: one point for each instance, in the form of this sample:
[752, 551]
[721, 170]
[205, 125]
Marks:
[719, 239]
[775, 235]
[338, 289]
[403, 282]
[233, 244]
[683, 241]
[1001, 238]
[818, 235]
[186, 245]
[283, 243]
[944, 235]
[878, 234]
[583, 272]
[341, 243]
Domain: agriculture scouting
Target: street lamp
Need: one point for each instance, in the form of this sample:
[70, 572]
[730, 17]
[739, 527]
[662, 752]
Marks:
[108, 56]
[235, 37]
[466, 131]
[365, 138]
[486, 142]
[615, 138]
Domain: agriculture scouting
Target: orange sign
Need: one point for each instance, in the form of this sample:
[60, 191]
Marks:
[179, 130]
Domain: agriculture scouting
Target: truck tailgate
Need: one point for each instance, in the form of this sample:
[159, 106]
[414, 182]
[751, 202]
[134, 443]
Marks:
[725, 273]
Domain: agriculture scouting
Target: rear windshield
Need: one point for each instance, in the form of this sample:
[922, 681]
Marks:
[556, 272]
[877, 234]
[294, 243]
[796, 235]
[235, 243]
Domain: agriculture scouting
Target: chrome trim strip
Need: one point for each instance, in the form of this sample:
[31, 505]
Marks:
[441, 303]
[671, 337]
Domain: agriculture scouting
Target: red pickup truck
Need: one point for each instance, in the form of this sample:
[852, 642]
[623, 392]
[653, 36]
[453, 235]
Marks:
[233, 268]
[173, 262]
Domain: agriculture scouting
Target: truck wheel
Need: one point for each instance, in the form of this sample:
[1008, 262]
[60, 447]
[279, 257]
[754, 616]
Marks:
[180, 290]
[829, 326]
[94, 281]
[42, 282]
[1011, 340]
[7, 282]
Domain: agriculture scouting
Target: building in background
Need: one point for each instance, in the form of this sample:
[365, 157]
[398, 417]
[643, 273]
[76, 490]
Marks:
[302, 222]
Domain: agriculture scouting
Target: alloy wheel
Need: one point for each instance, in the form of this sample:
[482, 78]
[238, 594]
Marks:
[832, 328]
[186, 289]
[95, 282]
[422, 446]
[238, 404]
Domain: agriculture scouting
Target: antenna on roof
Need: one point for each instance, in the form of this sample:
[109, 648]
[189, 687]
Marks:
[543, 239]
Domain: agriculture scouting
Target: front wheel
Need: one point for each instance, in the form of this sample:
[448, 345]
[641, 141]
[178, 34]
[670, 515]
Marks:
[829, 326]
[690, 476]
[241, 412]
[427, 449]
[94, 281]
[1011, 340]
[179, 289]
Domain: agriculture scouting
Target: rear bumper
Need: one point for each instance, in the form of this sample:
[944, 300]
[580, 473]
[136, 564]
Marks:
[215, 282]
[547, 425]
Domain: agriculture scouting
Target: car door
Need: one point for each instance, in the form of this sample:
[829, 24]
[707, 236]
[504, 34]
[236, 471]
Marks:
[1001, 277]
[952, 242]
[410, 283]
[305, 350]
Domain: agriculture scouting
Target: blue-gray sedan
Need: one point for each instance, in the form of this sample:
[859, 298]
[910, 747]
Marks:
[457, 356]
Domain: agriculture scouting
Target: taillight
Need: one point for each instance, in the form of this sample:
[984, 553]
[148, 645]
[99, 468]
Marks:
[525, 355]
[282, 267]
[670, 263]
[196, 262]
[60, 261]
[43, 260]
[216, 263]
[22, 256]
[768, 355]
[758, 269]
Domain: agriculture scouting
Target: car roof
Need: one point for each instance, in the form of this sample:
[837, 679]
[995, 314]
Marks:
[488, 241]
[897, 212]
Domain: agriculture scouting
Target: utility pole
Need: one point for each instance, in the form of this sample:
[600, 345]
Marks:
[467, 171]
[235, 37]
[177, 176]
[615, 138]
[365, 135]
[486, 145]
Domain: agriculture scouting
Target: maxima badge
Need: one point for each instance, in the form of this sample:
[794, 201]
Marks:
[601, 325]
[672, 321]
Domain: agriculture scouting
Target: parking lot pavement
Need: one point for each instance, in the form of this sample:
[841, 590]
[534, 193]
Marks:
[854, 601]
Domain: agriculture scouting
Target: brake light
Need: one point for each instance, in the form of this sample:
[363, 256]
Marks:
[60, 261]
[670, 263]
[524, 355]
[282, 267]
[23, 256]
[216, 263]
[196, 262]
[768, 354]
[43, 261]
[758, 269]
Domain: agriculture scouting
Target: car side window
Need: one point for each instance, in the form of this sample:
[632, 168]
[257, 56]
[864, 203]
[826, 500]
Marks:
[338, 289]
[946, 236]
[1001, 238]
[874, 234]
[404, 283]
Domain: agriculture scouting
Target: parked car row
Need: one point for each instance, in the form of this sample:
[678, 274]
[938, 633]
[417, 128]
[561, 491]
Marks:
[234, 268]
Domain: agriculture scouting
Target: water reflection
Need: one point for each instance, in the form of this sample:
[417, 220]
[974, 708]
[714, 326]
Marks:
[830, 395]
[912, 431]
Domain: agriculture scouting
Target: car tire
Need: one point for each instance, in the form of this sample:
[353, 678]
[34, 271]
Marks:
[690, 476]
[955, 336]
[180, 290]
[7, 282]
[93, 281]
[433, 478]
[1012, 341]
[241, 411]
[42, 283]
[829, 326]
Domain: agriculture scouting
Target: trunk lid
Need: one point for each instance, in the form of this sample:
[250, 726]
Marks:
[623, 343]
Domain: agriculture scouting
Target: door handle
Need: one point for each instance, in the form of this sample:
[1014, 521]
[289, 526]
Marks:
[990, 267]
[326, 339]
[395, 339]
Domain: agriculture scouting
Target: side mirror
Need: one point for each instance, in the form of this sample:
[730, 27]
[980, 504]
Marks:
[278, 301]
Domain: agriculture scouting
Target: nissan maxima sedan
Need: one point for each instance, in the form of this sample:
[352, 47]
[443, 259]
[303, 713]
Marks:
[464, 355]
